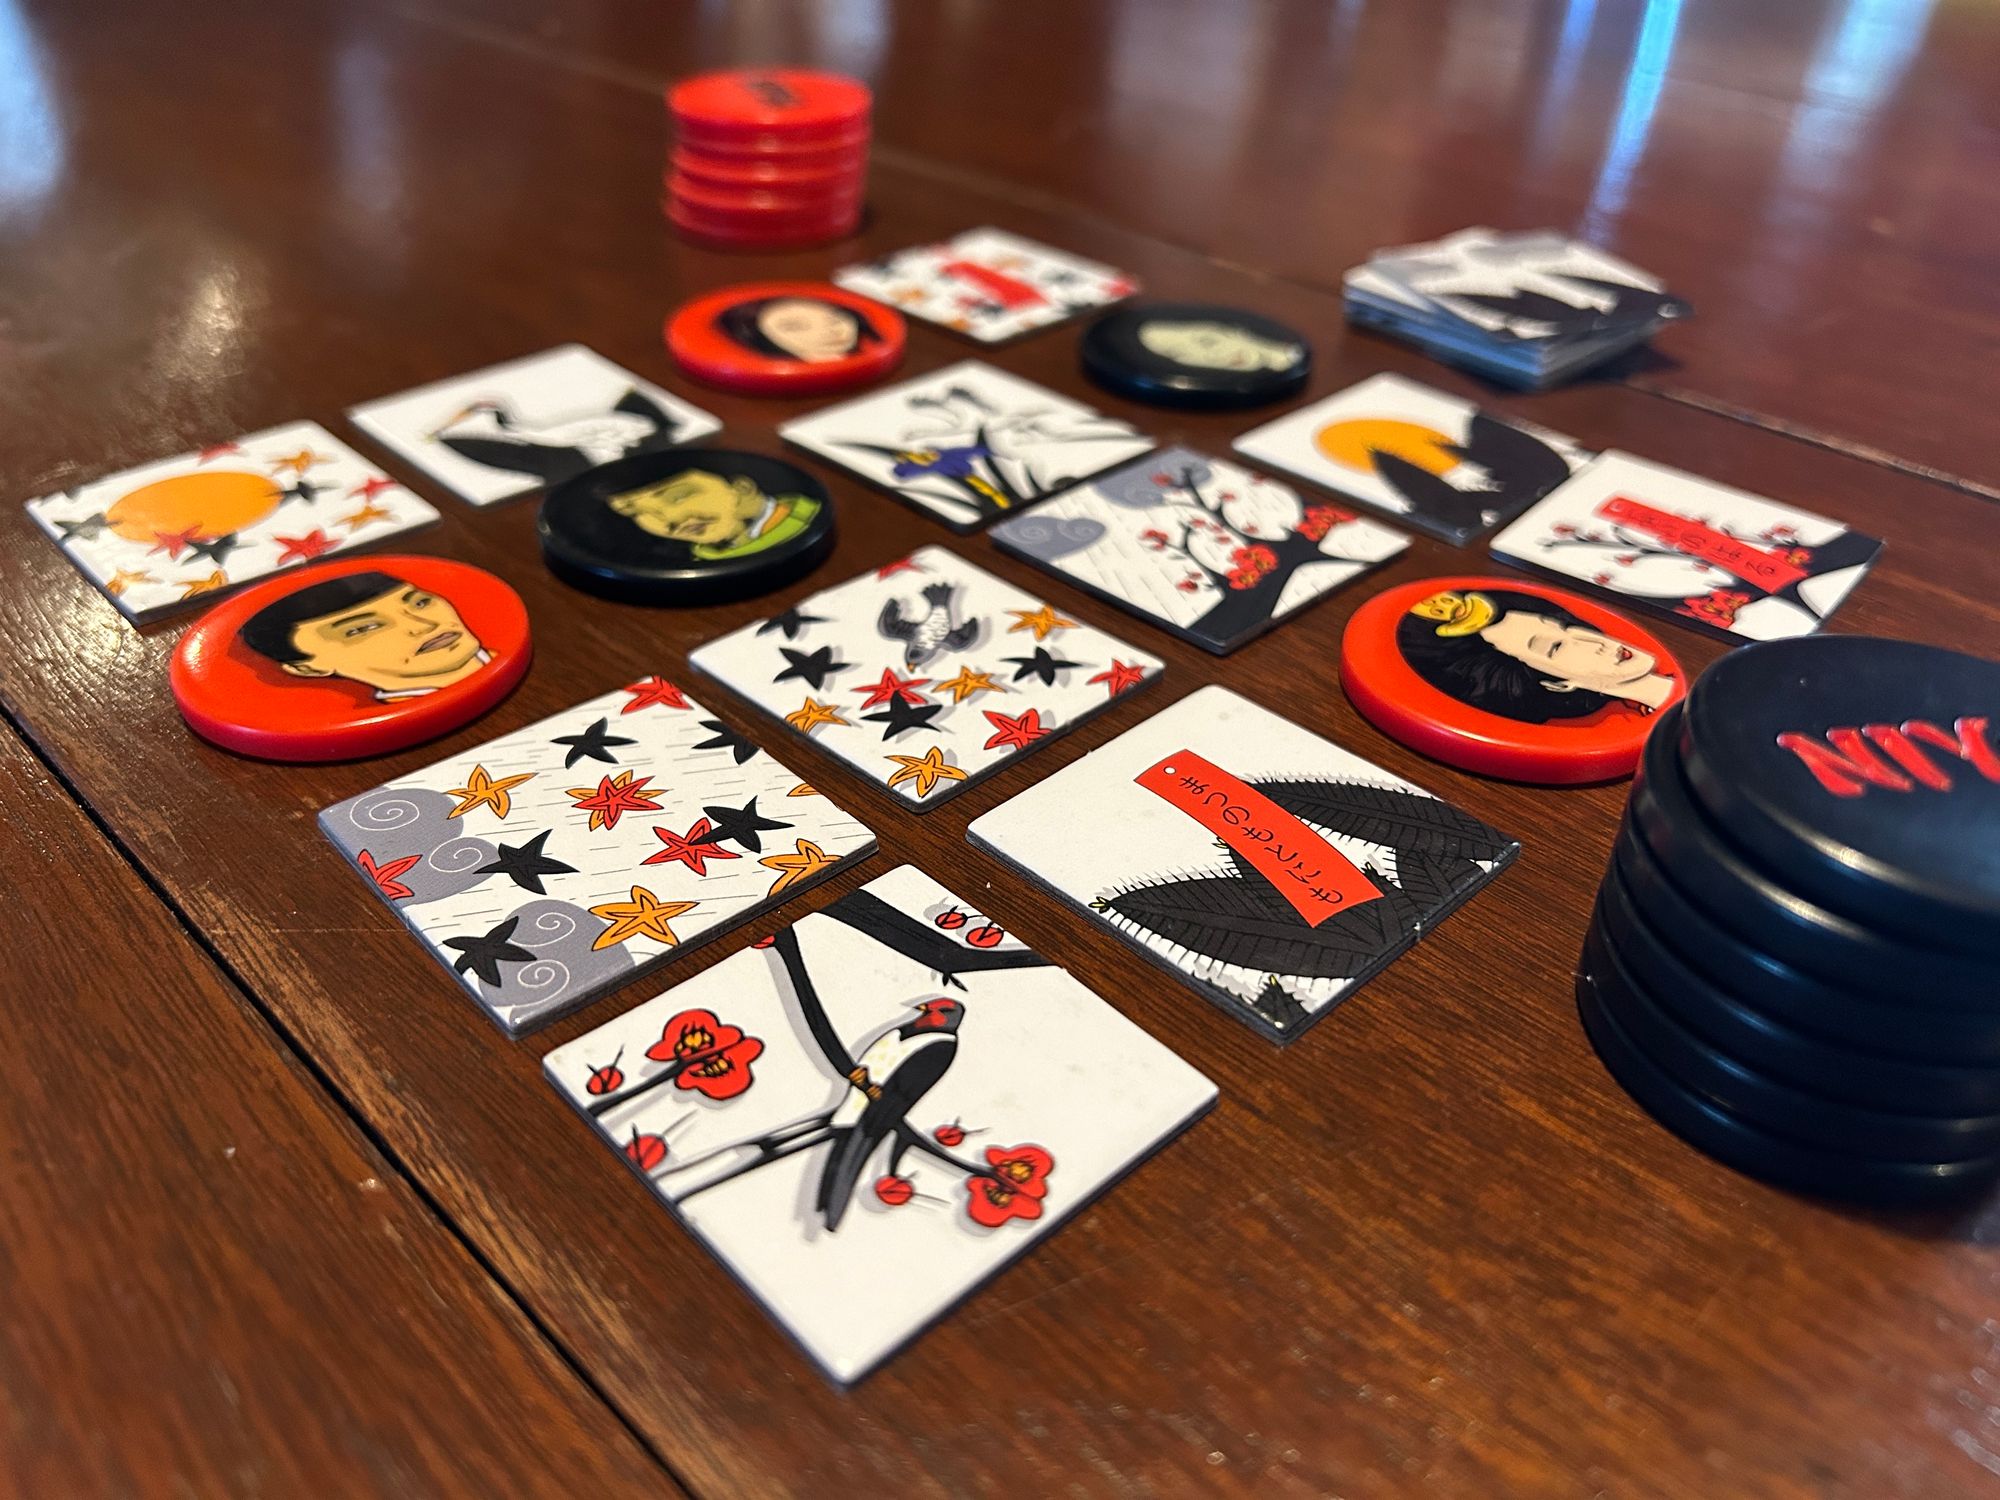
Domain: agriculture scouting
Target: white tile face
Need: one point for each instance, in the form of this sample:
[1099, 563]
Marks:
[1433, 461]
[549, 865]
[1266, 866]
[991, 1110]
[180, 531]
[531, 422]
[1723, 558]
[1208, 549]
[967, 443]
[987, 284]
[927, 674]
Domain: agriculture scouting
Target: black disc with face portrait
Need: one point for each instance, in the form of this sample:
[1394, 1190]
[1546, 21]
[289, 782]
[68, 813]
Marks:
[1195, 354]
[686, 526]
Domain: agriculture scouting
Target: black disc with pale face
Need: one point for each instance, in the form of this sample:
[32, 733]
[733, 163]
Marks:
[1195, 354]
[1863, 774]
[686, 526]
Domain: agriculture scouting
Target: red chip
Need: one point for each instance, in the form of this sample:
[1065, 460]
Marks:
[354, 658]
[816, 152]
[777, 101]
[728, 234]
[785, 338]
[1508, 678]
[843, 173]
[759, 204]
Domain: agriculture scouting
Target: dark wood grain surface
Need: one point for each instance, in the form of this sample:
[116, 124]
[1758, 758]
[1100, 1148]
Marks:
[215, 1284]
[1428, 1249]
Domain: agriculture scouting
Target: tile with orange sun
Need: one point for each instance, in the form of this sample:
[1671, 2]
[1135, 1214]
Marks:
[1432, 461]
[176, 533]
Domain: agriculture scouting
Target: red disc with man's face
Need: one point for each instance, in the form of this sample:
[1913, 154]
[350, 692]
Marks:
[785, 338]
[354, 658]
[1508, 678]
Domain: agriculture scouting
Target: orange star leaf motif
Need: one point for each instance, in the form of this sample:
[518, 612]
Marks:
[298, 462]
[1043, 621]
[807, 862]
[969, 681]
[368, 512]
[208, 585]
[612, 796]
[803, 789]
[124, 578]
[925, 770]
[481, 790]
[643, 916]
[815, 713]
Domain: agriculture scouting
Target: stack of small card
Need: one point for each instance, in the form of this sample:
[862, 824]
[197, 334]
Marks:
[1528, 310]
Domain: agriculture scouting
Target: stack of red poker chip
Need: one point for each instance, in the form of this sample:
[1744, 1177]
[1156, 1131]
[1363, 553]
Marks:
[767, 158]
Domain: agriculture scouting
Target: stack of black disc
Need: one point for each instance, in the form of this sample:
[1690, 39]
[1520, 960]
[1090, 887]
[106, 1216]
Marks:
[1794, 962]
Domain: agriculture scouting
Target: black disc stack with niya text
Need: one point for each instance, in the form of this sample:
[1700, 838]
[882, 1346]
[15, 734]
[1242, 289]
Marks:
[1794, 962]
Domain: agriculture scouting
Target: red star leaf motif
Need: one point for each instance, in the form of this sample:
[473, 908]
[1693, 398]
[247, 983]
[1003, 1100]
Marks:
[613, 797]
[313, 544]
[900, 565]
[1017, 733]
[174, 543]
[692, 849]
[892, 686]
[372, 486]
[384, 876]
[215, 450]
[1117, 677]
[652, 692]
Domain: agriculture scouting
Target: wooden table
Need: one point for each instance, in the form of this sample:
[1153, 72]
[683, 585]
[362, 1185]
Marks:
[285, 1215]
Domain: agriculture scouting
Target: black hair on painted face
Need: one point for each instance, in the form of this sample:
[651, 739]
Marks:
[269, 631]
[1478, 673]
[740, 324]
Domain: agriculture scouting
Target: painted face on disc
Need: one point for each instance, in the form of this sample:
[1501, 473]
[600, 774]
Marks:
[351, 659]
[785, 337]
[1195, 354]
[1508, 677]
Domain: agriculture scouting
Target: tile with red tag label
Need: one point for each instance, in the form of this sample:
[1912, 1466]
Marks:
[1267, 867]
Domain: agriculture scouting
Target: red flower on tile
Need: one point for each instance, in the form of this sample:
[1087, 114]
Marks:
[1716, 607]
[710, 1057]
[607, 1079]
[1154, 538]
[949, 1135]
[988, 936]
[1562, 528]
[895, 1191]
[385, 876]
[1319, 520]
[649, 1151]
[1012, 1189]
[1249, 565]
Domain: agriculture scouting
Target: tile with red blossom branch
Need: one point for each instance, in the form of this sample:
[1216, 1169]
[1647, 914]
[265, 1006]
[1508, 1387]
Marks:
[540, 879]
[867, 1114]
[1741, 565]
[930, 675]
[1200, 546]
[186, 528]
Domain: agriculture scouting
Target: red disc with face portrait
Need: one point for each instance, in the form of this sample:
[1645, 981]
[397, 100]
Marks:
[1508, 678]
[352, 658]
[786, 338]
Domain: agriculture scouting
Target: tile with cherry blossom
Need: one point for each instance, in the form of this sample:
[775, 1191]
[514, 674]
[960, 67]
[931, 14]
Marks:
[870, 1113]
[549, 865]
[1201, 546]
[182, 530]
[1739, 564]
[927, 674]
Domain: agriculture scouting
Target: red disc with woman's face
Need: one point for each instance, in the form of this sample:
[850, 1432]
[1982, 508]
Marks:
[785, 338]
[352, 658]
[1508, 678]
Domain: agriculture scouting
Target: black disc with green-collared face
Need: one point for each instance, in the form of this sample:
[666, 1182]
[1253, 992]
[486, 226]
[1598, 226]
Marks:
[1195, 354]
[686, 526]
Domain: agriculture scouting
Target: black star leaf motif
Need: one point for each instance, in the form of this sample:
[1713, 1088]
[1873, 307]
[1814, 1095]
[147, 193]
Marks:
[303, 489]
[744, 825]
[216, 551]
[814, 667]
[899, 716]
[726, 739]
[88, 528]
[595, 742]
[1041, 666]
[526, 864]
[792, 621]
[484, 955]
